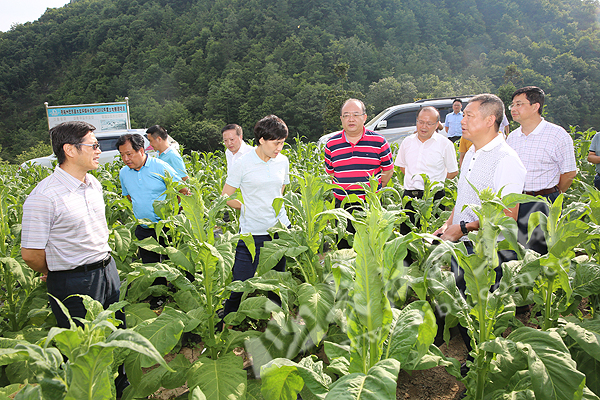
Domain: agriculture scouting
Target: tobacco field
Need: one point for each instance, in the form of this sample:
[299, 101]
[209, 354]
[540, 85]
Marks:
[349, 320]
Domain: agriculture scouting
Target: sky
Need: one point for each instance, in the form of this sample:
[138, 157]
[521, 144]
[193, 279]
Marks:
[21, 11]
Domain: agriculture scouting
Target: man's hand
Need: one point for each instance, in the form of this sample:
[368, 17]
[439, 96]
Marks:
[452, 233]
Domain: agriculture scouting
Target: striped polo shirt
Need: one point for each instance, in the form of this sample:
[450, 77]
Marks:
[352, 164]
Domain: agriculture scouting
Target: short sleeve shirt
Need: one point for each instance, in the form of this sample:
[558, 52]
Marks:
[146, 185]
[595, 147]
[65, 217]
[547, 152]
[232, 158]
[353, 163]
[453, 123]
[435, 158]
[174, 159]
[260, 183]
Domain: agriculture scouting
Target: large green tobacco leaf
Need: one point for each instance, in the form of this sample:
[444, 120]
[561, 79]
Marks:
[378, 384]
[90, 375]
[412, 333]
[552, 371]
[316, 307]
[138, 313]
[284, 379]
[283, 340]
[163, 333]
[122, 241]
[586, 353]
[220, 379]
[587, 279]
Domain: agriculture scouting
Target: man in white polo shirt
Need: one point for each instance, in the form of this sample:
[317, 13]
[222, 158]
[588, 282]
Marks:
[489, 163]
[426, 152]
[547, 152]
[64, 232]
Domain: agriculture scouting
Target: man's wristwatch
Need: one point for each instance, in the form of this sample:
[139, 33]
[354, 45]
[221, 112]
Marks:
[463, 227]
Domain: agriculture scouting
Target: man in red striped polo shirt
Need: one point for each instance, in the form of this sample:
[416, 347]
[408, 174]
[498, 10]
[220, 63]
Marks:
[355, 154]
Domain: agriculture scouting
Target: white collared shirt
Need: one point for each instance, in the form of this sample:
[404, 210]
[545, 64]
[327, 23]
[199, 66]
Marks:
[232, 158]
[65, 217]
[547, 152]
[435, 158]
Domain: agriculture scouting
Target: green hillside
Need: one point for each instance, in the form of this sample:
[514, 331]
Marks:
[193, 66]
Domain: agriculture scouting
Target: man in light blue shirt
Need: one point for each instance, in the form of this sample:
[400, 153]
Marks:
[594, 158]
[142, 182]
[453, 120]
[159, 140]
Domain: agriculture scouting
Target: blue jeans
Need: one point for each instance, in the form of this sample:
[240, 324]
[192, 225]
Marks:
[244, 268]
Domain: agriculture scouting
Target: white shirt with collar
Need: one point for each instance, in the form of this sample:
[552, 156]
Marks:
[495, 166]
[435, 158]
[232, 158]
[65, 217]
[547, 152]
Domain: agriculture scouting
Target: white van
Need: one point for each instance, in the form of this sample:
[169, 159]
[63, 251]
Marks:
[107, 141]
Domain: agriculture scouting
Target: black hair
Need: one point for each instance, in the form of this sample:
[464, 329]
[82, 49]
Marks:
[70, 132]
[136, 140]
[158, 131]
[490, 104]
[455, 100]
[533, 94]
[270, 127]
[238, 129]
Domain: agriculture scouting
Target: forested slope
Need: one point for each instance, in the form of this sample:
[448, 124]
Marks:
[193, 66]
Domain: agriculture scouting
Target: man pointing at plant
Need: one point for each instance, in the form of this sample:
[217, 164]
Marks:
[64, 232]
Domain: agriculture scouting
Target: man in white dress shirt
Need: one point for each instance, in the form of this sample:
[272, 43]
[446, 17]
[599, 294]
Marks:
[426, 152]
[547, 152]
[233, 138]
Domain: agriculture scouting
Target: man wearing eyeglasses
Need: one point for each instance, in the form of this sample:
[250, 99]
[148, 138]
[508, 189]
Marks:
[64, 233]
[355, 154]
[547, 152]
[425, 152]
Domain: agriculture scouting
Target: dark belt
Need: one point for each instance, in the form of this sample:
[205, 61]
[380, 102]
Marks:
[414, 193]
[91, 266]
[543, 192]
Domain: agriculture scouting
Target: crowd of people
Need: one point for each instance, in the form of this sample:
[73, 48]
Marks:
[64, 230]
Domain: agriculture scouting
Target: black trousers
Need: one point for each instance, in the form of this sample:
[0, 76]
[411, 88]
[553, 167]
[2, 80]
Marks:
[244, 268]
[537, 241]
[416, 194]
[350, 207]
[101, 284]
[149, 257]
[459, 276]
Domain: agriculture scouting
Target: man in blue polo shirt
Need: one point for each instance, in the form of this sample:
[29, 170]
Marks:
[142, 182]
[453, 120]
[159, 140]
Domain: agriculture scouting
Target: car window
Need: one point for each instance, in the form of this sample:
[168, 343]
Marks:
[443, 112]
[402, 119]
[107, 143]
